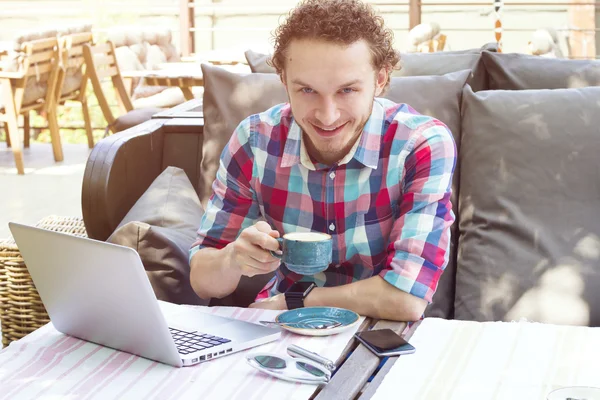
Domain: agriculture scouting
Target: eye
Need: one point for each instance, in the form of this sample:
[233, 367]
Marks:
[307, 90]
[348, 90]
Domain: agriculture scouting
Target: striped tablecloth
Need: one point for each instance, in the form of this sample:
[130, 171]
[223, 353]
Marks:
[50, 365]
[493, 360]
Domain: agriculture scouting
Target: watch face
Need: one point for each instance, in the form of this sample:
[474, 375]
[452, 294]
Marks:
[301, 287]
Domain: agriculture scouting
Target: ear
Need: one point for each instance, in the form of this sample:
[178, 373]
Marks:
[382, 77]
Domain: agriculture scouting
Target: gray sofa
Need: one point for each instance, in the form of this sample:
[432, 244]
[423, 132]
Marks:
[526, 242]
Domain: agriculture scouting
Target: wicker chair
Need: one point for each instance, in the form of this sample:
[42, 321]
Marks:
[21, 309]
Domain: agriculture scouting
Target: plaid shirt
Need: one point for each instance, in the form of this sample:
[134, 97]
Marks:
[386, 204]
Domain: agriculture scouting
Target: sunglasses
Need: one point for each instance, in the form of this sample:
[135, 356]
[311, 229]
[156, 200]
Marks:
[292, 369]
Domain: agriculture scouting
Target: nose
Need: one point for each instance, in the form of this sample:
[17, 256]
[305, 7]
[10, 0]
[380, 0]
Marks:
[327, 113]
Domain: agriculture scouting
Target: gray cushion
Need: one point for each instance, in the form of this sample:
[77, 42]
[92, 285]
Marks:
[162, 226]
[437, 96]
[258, 62]
[438, 63]
[520, 71]
[529, 209]
[229, 98]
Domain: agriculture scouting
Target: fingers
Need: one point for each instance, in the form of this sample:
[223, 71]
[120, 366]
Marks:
[254, 256]
[262, 226]
[252, 250]
[262, 235]
[274, 234]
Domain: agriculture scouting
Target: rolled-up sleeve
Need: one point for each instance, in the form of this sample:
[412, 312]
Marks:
[419, 244]
[232, 206]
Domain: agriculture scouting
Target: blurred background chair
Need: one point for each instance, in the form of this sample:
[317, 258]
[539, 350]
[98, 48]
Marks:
[72, 78]
[101, 63]
[145, 49]
[27, 82]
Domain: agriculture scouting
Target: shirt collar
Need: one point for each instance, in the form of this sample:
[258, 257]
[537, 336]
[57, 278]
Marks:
[365, 150]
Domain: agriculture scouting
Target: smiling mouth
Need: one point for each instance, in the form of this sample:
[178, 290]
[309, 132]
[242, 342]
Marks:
[328, 132]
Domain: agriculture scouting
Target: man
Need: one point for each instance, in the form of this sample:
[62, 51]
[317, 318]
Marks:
[336, 159]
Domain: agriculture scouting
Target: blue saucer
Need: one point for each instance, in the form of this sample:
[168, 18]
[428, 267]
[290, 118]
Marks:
[306, 319]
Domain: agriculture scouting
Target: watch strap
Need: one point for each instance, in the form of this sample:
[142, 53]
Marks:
[295, 300]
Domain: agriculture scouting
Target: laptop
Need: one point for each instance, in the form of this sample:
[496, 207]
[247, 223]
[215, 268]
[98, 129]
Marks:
[100, 292]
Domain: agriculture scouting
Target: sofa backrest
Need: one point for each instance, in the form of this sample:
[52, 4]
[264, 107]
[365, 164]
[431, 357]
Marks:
[411, 64]
[491, 70]
[519, 72]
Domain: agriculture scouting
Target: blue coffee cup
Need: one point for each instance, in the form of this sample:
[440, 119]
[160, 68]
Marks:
[305, 253]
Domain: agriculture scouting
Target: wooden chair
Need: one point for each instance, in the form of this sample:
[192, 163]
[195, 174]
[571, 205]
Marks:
[30, 86]
[101, 63]
[72, 78]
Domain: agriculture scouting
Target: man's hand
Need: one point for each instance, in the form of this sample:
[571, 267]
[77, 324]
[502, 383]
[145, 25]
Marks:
[217, 272]
[276, 302]
[250, 251]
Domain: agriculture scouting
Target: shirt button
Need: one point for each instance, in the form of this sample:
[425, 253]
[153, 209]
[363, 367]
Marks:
[332, 227]
[332, 175]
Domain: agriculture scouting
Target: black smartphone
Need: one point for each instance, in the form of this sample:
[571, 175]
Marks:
[384, 342]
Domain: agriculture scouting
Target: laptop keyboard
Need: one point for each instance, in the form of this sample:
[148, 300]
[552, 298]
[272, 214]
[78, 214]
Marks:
[190, 342]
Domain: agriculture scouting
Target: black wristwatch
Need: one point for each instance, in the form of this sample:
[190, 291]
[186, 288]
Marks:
[295, 295]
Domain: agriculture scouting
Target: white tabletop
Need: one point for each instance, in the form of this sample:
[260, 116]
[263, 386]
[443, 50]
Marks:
[50, 365]
[493, 360]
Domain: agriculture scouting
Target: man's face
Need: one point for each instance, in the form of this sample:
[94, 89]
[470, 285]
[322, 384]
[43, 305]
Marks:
[331, 90]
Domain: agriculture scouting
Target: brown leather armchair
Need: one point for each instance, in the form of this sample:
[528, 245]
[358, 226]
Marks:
[122, 166]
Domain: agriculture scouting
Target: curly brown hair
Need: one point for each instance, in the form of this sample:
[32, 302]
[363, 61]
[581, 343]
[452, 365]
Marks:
[339, 21]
